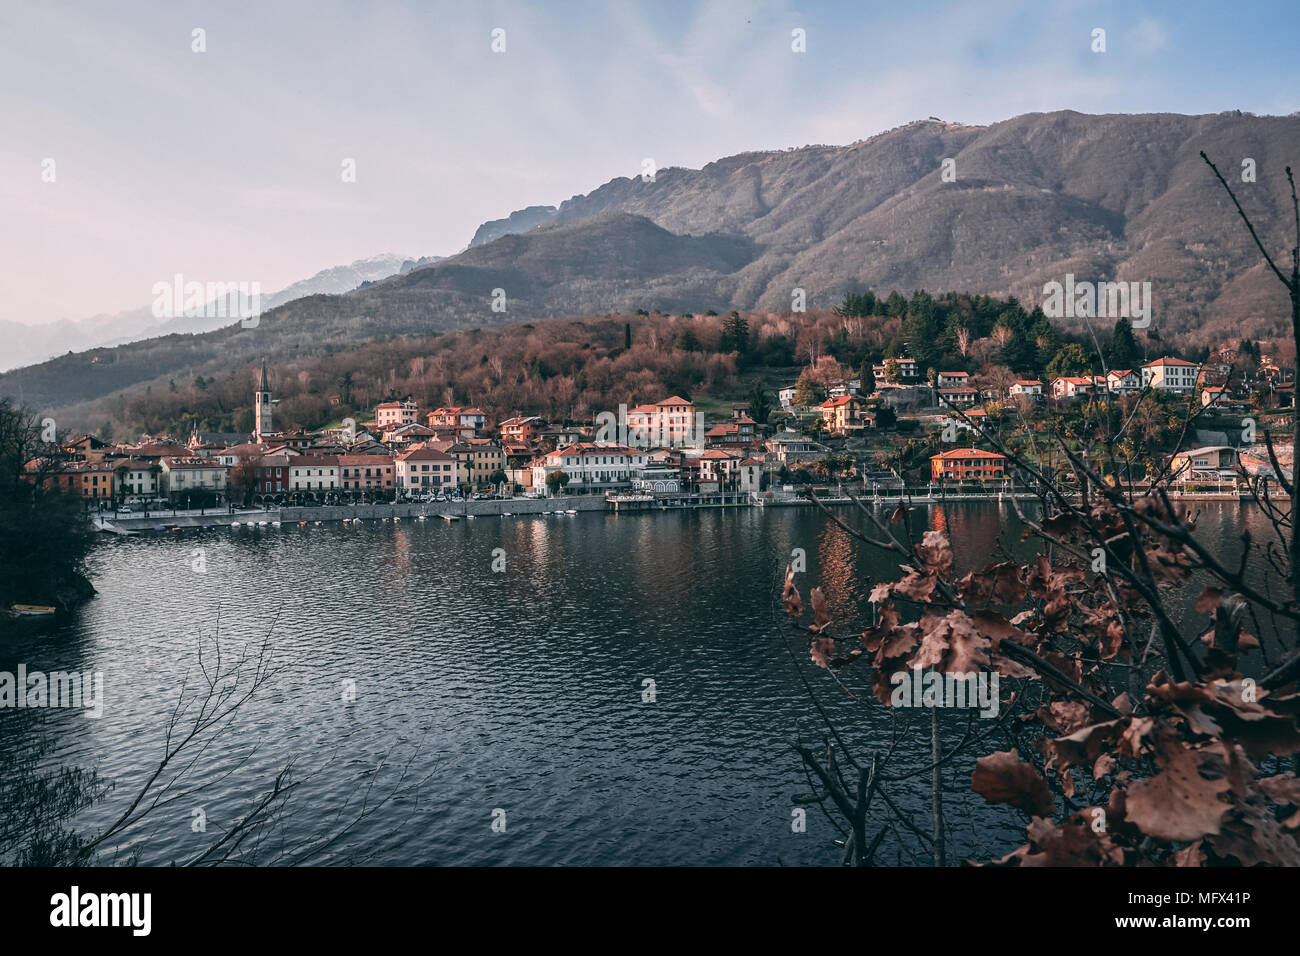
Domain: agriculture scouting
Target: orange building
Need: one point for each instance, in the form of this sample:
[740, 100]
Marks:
[969, 464]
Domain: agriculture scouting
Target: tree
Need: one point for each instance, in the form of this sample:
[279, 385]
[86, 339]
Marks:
[242, 481]
[1292, 287]
[886, 417]
[556, 480]
[892, 373]
[735, 335]
[866, 378]
[760, 403]
[1123, 352]
[688, 341]
[44, 536]
[627, 335]
[1071, 360]
[807, 391]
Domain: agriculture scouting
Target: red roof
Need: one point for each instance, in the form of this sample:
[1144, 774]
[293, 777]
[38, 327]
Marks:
[1169, 361]
[969, 453]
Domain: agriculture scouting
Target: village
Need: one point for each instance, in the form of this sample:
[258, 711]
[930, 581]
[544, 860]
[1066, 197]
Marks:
[910, 431]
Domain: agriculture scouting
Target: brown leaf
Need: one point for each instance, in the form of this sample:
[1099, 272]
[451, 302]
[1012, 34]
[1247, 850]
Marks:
[790, 595]
[821, 617]
[1002, 777]
[1182, 801]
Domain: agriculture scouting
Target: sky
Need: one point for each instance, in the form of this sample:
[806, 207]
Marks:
[227, 164]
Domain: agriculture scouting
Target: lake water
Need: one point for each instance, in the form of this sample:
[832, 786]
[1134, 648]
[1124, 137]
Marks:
[520, 690]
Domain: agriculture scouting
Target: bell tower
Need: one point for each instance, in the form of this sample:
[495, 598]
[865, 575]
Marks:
[262, 406]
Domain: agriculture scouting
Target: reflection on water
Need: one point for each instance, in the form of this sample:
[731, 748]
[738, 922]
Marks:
[518, 690]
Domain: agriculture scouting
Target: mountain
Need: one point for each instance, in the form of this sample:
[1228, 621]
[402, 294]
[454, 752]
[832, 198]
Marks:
[1123, 197]
[26, 344]
[519, 221]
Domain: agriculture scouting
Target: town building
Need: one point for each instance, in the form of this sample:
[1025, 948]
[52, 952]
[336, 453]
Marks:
[1212, 463]
[366, 473]
[181, 477]
[314, 473]
[1170, 375]
[1123, 381]
[789, 447]
[670, 423]
[968, 464]
[262, 405]
[591, 466]
[393, 414]
[426, 470]
[1030, 387]
[842, 416]
[524, 430]
[961, 395]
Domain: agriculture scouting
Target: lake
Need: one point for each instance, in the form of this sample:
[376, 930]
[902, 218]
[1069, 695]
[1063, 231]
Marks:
[518, 689]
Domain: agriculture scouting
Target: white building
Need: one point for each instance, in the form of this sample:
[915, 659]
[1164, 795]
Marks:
[1170, 375]
[1026, 386]
[1123, 380]
[592, 466]
[180, 475]
[314, 473]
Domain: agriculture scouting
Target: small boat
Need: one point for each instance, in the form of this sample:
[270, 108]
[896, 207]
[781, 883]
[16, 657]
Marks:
[571, 511]
[302, 524]
[275, 524]
[318, 524]
[396, 519]
[261, 524]
[454, 517]
[32, 610]
[234, 524]
[507, 514]
[420, 518]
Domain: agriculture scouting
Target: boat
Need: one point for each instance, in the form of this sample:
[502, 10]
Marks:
[420, 518]
[275, 524]
[32, 610]
[234, 524]
[454, 517]
[571, 511]
[261, 524]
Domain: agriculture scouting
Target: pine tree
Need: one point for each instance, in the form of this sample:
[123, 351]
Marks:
[1123, 352]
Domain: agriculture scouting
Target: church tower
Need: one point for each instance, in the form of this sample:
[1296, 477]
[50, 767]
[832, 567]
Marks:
[262, 406]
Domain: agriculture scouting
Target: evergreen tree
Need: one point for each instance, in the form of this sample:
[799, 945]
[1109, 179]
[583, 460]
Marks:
[867, 378]
[1123, 352]
[760, 403]
[735, 334]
